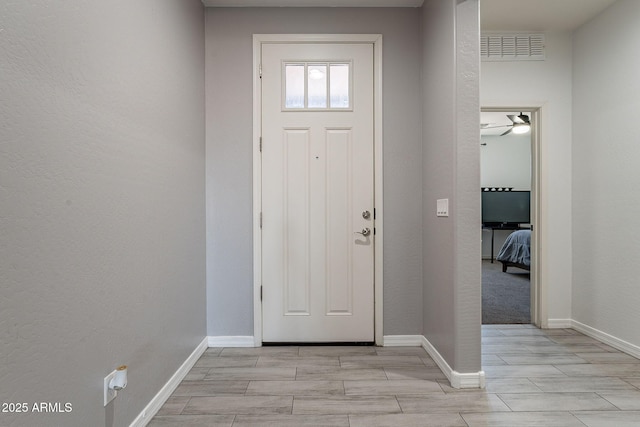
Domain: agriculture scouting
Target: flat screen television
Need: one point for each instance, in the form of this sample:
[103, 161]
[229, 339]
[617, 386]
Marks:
[506, 207]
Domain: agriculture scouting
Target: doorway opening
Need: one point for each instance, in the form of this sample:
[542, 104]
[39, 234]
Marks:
[510, 215]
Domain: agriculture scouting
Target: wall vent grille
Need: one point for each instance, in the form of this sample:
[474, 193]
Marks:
[512, 47]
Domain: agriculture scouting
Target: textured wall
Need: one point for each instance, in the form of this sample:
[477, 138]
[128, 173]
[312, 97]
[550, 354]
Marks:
[606, 154]
[468, 282]
[438, 40]
[102, 249]
[451, 159]
[229, 155]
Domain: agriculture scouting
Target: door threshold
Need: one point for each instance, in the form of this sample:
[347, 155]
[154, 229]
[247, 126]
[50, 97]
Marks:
[333, 344]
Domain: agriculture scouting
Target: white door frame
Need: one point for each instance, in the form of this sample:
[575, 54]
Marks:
[376, 41]
[539, 316]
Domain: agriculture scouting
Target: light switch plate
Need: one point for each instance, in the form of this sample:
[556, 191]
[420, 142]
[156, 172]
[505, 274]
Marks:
[442, 207]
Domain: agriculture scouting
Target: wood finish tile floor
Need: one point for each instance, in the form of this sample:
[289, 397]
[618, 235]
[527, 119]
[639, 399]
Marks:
[533, 378]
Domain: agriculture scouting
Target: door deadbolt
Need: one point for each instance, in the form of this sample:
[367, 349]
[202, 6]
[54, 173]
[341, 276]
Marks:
[366, 214]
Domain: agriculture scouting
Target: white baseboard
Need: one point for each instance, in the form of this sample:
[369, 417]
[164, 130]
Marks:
[614, 342]
[158, 400]
[232, 341]
[456, 379]
[558, 324]
[402, 340]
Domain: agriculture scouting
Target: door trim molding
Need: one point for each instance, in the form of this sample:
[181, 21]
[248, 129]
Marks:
[539, 312]
[376, 41]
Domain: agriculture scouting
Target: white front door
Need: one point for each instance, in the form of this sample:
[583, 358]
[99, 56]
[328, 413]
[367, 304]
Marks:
[317, 193]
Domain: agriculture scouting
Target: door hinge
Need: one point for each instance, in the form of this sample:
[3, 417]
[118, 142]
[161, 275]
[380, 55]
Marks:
[260, 142]
[260, 292]
[260, 70]
[261, 220]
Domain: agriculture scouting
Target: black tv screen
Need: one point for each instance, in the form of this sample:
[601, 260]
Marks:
[506, 207]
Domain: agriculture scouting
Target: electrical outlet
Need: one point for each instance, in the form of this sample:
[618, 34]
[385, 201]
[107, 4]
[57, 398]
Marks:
[109, 394]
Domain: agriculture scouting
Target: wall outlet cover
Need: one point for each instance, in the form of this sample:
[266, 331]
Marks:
[109, 394]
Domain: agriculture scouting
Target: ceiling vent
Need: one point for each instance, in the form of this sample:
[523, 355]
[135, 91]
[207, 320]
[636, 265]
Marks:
[512, 47]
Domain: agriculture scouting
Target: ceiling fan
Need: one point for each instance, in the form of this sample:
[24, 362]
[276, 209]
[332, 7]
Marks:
[520, 124]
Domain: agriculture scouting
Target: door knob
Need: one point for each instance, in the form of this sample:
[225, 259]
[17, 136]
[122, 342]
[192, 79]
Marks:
[365, 231]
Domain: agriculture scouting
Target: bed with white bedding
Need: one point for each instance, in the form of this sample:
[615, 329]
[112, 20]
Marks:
[516, 250]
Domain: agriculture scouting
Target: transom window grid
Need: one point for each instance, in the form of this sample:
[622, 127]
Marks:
[317, 86]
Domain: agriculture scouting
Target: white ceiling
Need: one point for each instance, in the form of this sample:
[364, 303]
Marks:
[538, 15]
[496, 15]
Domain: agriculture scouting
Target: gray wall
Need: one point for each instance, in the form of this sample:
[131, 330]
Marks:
[229, 155]
[451, 159]
[606, 154]
[102, 201]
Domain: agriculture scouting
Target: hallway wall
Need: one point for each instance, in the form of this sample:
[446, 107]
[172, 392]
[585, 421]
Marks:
[102, 250]
[606, 154]
[548, 85]
[229, 155]
[451, 170]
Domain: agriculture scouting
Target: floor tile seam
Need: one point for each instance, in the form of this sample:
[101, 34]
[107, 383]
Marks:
[581, 377]
[348, 414]
[450, 395]
[363, 396]
[554, 392]
[247, 387]
[462, 414]
[577, 413]
[441, 386]
[602, 397]
[540, 364]
[185, 405]
[430, 365]
[637, 387]
[531, 380]
[399, 405]
[500, 357]
[617, 409]
[424, 395]
[503, 401]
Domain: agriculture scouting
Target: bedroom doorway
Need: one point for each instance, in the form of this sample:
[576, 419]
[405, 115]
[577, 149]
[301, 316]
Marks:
[510, 190]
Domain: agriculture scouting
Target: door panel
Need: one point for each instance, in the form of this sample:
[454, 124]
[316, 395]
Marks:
[339, 222]
[317, 179]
